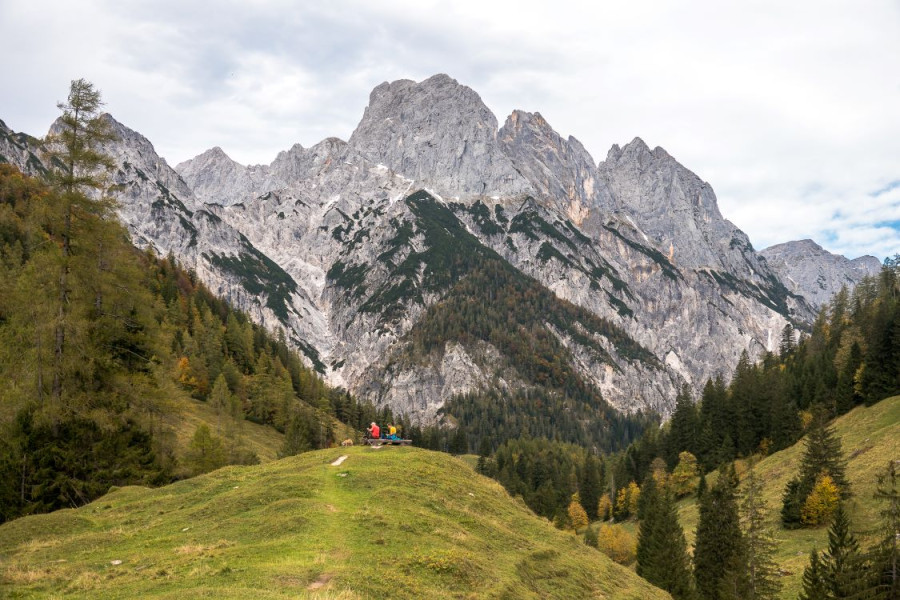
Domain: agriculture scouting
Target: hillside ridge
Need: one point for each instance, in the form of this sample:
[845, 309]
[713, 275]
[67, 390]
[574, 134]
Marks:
[298, 525]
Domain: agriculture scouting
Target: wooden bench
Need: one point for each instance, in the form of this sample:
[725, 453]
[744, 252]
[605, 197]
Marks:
[386, 442]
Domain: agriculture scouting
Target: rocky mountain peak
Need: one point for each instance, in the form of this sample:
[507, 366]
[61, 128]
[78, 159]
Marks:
[440, 134]
[207, 172]
[674, 206]
[815, 273]
[561, 170]
[136, 153]
[299, 163]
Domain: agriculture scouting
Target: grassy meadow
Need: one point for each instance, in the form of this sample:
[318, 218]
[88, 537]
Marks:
[392, 522]
[870, 438]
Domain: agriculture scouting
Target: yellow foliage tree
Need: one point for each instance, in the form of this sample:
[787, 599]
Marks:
[578, 518]
[621, 510]
[686, 471]
[821, 502]
[604, 508]
[634, 496]
[617, 544]
[627, 501]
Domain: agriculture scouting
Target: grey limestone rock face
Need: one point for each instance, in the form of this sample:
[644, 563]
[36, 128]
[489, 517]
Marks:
[813, 272]
[347, 262]
[20, 150]
[560, 170]
[675, 208]
[214, 178]
[439, 134]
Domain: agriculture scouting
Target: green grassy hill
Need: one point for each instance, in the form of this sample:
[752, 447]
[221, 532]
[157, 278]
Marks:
[870, 438]
[394, 522]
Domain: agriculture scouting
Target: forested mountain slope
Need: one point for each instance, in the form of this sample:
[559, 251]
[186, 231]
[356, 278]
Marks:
[870, 438]
[324, 242]
[137, 373]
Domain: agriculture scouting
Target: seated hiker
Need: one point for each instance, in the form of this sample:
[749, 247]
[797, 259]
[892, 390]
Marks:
[392, 433]
[373, 432]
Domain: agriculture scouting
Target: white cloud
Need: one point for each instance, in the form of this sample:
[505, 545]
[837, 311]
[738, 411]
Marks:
[787, 108]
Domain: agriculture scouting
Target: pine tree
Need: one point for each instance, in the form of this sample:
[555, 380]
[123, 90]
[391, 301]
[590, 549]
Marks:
[814, 586]
[719, 546]
[662, 557]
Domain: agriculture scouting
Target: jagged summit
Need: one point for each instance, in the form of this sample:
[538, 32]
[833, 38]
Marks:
[440, 134]
[561, 171]
[348, 245]
[810, 270]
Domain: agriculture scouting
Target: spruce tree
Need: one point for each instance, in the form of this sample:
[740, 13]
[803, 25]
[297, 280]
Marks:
[814, 586]
[787, 345]
[590, 485]
[884, 582]
[662, 557]
[822, 453]
[759, 544]
[792, 504]
[484, 456]
[842, 564]
[684, 427]
[719, 546]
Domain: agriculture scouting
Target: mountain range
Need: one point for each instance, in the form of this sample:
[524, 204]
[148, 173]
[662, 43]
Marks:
[436, 254]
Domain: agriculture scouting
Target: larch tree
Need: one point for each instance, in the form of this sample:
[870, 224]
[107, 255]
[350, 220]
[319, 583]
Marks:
[77, 163]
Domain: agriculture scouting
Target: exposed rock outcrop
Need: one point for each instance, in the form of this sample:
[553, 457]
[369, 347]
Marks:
[340, 245]
[816, 274]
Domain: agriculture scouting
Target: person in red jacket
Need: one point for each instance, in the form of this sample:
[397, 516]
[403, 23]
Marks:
[374, 432]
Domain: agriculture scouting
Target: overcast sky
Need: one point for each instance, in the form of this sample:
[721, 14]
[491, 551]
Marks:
[791, 110]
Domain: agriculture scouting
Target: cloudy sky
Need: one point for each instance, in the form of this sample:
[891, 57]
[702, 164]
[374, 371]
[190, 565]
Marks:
[791, 110]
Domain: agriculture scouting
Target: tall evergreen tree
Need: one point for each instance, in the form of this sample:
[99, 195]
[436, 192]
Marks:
[759, 544]
[842, 564]
[788, 342]
[792, 504]
[814, 586]
[684, 427]
[719, 547]
[590, 485]
[662, 557]
[885, 556]
[822, 453]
